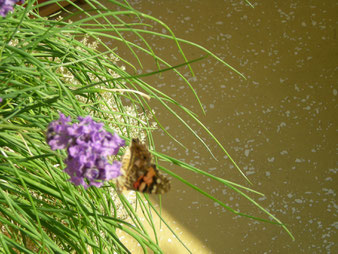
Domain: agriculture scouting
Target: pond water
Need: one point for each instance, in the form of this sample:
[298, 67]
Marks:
[279, 124]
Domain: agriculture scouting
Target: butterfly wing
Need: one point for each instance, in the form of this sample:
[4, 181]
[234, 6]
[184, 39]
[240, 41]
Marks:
[139, 174]
[152, 182]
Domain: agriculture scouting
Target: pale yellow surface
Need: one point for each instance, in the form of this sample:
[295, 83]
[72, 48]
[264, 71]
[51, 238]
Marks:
[167, 241]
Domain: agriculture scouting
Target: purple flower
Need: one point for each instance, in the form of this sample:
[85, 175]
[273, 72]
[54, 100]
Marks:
[7, 6]
[88, 146]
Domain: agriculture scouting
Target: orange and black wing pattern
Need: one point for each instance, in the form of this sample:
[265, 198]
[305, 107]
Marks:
[139, 174]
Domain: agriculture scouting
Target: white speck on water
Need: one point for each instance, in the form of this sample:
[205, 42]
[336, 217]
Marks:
[284, 152]
[246, 152]
[335, 224]
[333, 170]
[228, 36]
[281, 80]
[297, 88]
[299, 160]
[319, 224]
[299, 201]
[267, 173]
[289, 195]
[212, 106]
[262, 198]
[329, 192]
[335, 92]
[272, 159]
[282, 124]
[212, 169]
[251, 172]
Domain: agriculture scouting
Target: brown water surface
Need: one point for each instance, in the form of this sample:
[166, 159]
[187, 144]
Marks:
[279, 125]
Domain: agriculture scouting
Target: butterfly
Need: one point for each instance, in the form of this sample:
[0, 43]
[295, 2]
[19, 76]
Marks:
[138, 173]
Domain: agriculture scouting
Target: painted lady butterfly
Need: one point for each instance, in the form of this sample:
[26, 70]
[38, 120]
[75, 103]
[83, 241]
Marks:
[139, 174]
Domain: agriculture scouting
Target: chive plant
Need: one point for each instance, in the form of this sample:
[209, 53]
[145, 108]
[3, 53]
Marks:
[51, 67]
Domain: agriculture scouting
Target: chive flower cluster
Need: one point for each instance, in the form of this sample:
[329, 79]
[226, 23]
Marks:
[88, 146]
[7, 6]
